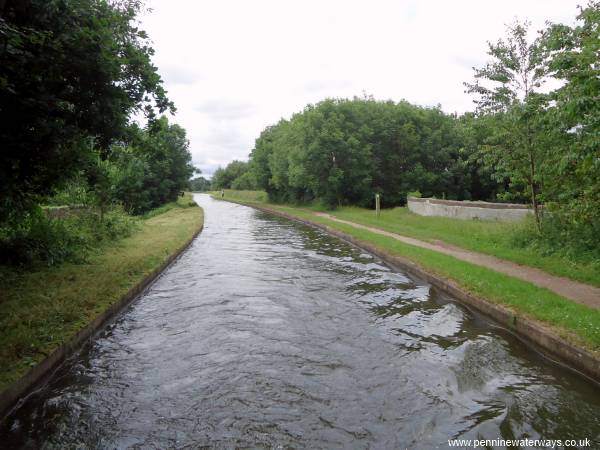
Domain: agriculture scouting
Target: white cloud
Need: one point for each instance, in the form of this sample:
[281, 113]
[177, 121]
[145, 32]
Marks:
[234, 67]
[226, 110]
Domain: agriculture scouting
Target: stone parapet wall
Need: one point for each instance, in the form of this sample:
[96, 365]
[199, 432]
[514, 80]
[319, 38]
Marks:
[506, 212]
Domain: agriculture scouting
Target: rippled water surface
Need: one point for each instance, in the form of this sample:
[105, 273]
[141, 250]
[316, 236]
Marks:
[269, 334]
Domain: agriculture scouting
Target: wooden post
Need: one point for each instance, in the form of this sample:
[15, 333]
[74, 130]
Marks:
[377, 204]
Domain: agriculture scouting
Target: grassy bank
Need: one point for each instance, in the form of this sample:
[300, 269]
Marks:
[490, 237]
[576, 323]
[42, 309]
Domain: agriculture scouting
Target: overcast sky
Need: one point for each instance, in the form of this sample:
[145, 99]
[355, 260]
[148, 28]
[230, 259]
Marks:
[234, 67]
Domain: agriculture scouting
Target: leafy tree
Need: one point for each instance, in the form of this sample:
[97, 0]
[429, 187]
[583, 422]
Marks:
[508, 87]
[573, 57]
[200, 184]
[172, 140]
[259, 157]
[164, 149]
[477, 179]
[345, 151]
[224, 178]
[104, 176]
[68, 70]
[244, 182]
[151, 168]
[131, 180]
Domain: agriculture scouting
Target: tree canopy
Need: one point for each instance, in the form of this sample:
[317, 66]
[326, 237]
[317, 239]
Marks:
[153, 167]
[344, 151]
[507, 87]
[71, 74]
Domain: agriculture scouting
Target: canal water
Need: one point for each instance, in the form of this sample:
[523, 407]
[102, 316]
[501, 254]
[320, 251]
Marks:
[270, 334]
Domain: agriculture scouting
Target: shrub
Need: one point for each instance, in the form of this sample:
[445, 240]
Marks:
[37, 239]
[562, 232]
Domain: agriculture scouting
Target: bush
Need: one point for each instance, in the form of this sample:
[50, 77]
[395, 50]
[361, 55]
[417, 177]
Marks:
[75, 192]
[563, 233]
[37, 239]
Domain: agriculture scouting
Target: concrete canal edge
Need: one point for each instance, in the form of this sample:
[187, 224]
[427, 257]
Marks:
[531, 332]
[15, 394]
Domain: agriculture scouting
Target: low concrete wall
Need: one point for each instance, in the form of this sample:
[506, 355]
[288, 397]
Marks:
[506, 212]
[62, 212]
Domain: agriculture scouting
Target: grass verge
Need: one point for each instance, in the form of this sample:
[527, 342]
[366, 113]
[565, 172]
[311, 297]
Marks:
[575, 323]
[494, 238]
[40, 310]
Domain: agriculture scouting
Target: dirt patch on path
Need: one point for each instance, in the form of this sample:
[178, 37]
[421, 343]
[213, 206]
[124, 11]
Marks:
[582, 293]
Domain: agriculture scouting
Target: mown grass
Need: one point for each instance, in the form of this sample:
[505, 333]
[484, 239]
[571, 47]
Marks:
[42, 309]
[182, 202]
[242, 196]
[574, 322]
[490, 237]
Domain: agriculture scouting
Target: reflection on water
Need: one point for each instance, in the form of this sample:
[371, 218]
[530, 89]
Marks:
[267, 333]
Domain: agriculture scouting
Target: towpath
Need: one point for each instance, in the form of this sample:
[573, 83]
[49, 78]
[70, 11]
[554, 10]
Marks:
[582, 293]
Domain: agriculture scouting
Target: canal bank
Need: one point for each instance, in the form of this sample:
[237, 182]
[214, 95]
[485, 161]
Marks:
[48, 315]
[269, 333]
[560, 344]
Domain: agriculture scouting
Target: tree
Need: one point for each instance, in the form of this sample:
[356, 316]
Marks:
[149, 169]
[343, 151]
[165, 149]
[199, 184]
[573, 55]
[508, 87]
[131, 180]
[68, 70]
[477, 177]
[245, 181]
[104, 176]
[224, 178]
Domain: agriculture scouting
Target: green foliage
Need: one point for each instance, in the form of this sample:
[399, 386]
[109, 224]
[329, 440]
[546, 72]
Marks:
[68, 70]
[154, 166]
[150, 170]
[244, 182]
[507, 90]
[574, 149]
[103, 176]
[344, 151]
[76, 191]
[547, 146]
[200, 184]
[38, 239]
[236, 172]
